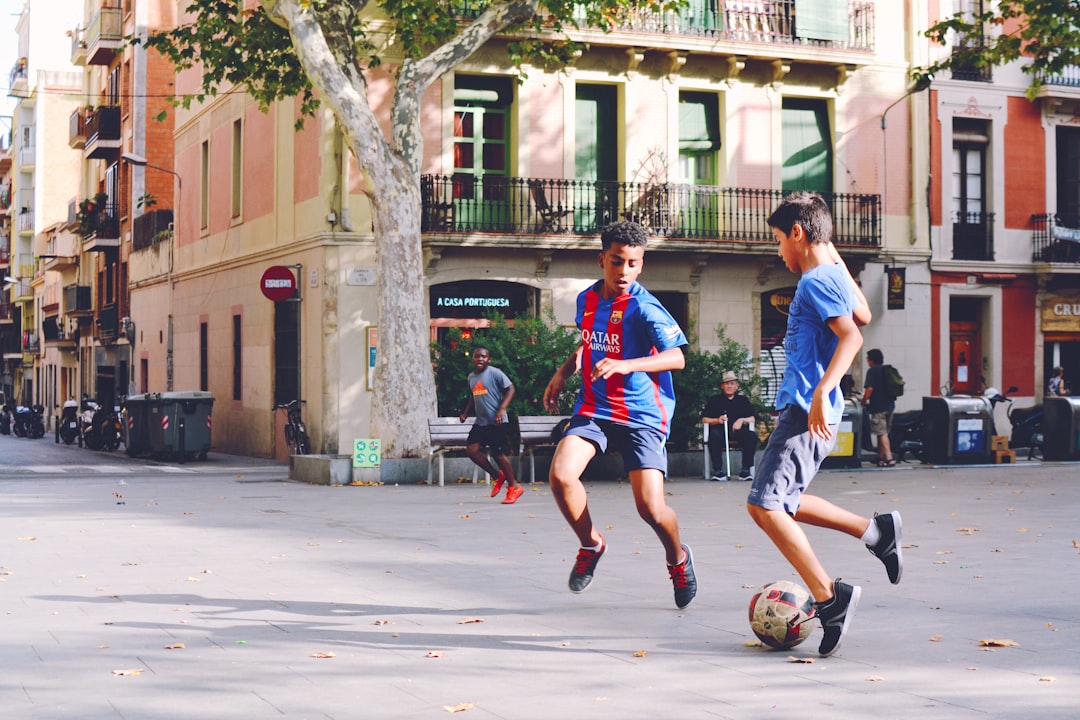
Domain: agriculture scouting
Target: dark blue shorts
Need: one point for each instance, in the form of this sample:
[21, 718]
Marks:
[790, 461]
[641, 448]
[494, 437]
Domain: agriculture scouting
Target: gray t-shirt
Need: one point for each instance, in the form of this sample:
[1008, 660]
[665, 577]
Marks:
[488, 389]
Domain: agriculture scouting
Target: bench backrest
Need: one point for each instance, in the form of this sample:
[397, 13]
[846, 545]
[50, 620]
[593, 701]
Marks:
[537, 429]
[449, 430]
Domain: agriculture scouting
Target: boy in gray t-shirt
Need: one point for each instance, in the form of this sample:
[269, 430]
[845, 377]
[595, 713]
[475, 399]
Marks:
[490, 393]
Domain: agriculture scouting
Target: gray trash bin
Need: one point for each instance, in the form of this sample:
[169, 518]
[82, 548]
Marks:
[142, 423]
[848, 449]
[186, 424]
[957, 430]
[1061, 428]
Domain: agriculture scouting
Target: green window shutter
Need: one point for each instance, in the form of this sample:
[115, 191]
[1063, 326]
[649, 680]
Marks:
[699, 126]
[808, 152]
[822, 19]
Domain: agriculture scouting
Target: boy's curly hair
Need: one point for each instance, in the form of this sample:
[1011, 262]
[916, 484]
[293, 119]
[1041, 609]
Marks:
[808, 210]
[623, 232]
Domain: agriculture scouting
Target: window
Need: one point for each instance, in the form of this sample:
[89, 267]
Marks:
[482, 150]
[144, 371]
[699, 140]
[237, 367]
[596, 148]
[807, 146]
[237, 165]
[1068, 176]
[204, 356]
[971, 222]
[204, 186]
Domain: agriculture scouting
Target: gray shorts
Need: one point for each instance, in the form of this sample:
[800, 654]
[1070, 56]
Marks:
[790, 460]
[881, 422]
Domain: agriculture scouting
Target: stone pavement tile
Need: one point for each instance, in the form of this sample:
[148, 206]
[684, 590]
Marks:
[432, 598]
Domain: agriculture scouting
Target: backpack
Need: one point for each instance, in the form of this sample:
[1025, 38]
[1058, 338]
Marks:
[894, 383]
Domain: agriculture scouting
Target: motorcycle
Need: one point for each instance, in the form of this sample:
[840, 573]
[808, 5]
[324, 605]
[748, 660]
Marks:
[6, 416]
[29, 422]
[1026, 422]
[99, 427]
[68, 427]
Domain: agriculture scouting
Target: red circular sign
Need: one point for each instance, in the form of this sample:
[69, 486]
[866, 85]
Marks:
[278, 283]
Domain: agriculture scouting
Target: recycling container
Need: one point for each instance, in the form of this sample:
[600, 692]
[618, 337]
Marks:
[957, 430]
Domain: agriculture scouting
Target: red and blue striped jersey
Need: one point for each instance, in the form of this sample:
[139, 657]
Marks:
[630, 326]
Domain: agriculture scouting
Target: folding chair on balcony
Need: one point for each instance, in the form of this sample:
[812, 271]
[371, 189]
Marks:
[551, 217]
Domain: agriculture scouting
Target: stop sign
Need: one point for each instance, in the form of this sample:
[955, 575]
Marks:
[278, 283]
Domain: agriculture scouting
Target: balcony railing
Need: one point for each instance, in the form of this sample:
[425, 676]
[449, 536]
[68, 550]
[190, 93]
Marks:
[1055, 238]
[78, 46]
[973, 236]
[18, 77]
[1069, 77]
[77, 129]
[530, 206]
[969, 70]
[7, 313]
[103, 225]
[772, 22]
[105, 34]
[5, 250]
[107, 321]
[77, 300]
[103, 132]
[150, 227]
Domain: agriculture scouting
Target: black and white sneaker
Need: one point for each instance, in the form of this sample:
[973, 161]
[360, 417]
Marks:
[836, 615]
[585, 566]
[746, 474]
[684, 580]
[718, 477]
[888, 549]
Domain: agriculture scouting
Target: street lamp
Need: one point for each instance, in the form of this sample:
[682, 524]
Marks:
[139, 161]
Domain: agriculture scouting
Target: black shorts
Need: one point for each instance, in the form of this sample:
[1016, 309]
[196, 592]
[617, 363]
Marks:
[494, 437]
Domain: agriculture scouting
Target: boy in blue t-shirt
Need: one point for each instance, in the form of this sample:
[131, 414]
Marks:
[823, 338]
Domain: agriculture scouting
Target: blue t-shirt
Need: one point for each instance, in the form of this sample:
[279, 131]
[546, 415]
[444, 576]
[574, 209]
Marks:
[632, 325]
[823, 292]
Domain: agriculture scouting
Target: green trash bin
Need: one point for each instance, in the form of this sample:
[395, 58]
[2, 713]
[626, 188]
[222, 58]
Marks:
[185, 424]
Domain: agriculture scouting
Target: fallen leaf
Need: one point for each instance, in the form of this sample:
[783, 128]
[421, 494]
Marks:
[381, 622]
[874, 678]
[1047, 678]
[999, 643]
[752, 643]
[193, 579]
[941, 562]
[460, 707]
[1076, 544]
[640, 653]
[464, 517]
[28, 538]
[175, 646]
[434, 654]
[1022, 530]
[935, 638]
[130, 671]
[967, 530]
[322, 655]
[466, 621]
[973, 668]
[803, 660]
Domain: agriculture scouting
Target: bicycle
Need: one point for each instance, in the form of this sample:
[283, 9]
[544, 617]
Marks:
[296, 436]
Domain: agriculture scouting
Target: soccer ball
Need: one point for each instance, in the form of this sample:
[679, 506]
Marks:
[781, 614]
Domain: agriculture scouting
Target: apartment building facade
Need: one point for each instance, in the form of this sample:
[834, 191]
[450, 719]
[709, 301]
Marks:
[1004, 215]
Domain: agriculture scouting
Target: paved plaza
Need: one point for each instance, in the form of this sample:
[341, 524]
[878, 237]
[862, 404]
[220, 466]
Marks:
[222, 590]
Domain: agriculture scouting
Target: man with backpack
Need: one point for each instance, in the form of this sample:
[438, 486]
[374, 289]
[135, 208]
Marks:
[880, 390]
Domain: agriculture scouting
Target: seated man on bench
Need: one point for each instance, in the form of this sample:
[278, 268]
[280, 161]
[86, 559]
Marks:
[733, 410]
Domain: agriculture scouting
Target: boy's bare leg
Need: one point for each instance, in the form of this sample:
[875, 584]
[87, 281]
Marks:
[572, 454]
[819, 512]
[793, 544]
[648, 487]
[481, 460]
[508, 470]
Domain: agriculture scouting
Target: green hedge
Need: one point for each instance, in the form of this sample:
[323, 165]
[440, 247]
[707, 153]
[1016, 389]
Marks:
[532, 349]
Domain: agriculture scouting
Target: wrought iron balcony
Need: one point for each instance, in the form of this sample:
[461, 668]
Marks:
[103, 132]
[965, 66]
[973, 236]
[1055, 238]
[100, 228]
[532, 206]
[108, 322]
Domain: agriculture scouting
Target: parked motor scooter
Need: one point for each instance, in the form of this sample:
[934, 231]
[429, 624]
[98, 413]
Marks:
[1026, 422]
[28, 422]
[7, 413]
[88, 437]
[68, 427]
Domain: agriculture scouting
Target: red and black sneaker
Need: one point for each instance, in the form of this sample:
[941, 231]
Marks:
[585, 566]
[684, 580]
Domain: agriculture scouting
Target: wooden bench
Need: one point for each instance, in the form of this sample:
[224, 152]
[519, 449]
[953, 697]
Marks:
[535, 433]
[449, 433]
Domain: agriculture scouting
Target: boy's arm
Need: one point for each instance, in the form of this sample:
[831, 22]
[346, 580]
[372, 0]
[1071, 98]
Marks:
[847, 349]
[558, 380]
[468, 409]
[508, 395]
[861, 313]
[670, 359]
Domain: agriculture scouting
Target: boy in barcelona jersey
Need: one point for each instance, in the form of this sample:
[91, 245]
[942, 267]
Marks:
[629, 346]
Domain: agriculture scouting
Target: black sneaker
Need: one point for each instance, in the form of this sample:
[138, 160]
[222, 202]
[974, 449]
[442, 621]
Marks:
[718, 477]
[888, 549]
[746, 474]
[585, 566]
[682, 577]
[836, 615]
